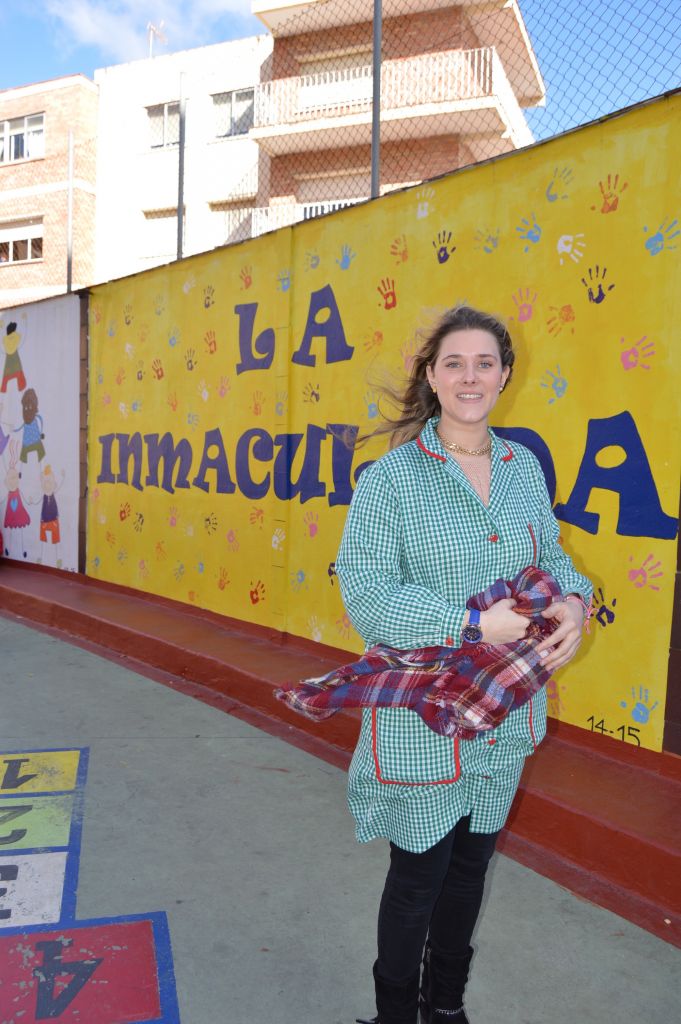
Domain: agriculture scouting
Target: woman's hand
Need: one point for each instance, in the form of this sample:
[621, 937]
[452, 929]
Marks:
[562, 645]
[501, 625]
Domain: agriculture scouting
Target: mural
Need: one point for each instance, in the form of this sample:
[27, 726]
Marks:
[224, 389]
[39, 423]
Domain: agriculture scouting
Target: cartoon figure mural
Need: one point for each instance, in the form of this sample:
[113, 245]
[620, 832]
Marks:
[16, 516]
[33, 427]
[226, 397]
[49, 515]
[13, 370]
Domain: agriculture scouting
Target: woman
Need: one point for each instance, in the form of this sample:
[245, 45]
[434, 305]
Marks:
[447, 511]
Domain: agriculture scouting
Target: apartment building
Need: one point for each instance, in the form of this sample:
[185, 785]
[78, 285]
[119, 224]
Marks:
[455, 78]
[138, 153]
[47, 188]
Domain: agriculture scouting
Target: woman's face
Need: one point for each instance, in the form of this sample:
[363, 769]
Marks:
[468, 374]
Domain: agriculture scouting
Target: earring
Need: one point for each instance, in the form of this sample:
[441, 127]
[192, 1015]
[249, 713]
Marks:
[501, 389]
[434, 389]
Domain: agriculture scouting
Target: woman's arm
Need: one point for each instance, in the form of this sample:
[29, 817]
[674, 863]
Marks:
[382, 607]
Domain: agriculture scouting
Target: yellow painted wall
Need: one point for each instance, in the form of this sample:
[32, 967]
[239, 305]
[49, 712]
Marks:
[575, 241]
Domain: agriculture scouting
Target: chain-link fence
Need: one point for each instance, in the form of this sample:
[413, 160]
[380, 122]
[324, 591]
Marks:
[280, 129]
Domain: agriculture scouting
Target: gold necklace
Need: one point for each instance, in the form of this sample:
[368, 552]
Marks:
[452, 446]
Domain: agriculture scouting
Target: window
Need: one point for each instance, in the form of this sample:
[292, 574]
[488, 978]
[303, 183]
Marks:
[22, 138]
[160, 233]
[164, 125]
[21, 241]
[233, 112]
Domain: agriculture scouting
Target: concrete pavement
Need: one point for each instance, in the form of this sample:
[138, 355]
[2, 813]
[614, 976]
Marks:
[245, 842]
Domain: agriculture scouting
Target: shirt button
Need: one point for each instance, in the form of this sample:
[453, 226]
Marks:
[449, 641]
[487, 777]
[491, 742]
[493, 537]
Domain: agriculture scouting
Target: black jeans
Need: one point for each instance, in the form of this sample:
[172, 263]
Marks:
[435, 894]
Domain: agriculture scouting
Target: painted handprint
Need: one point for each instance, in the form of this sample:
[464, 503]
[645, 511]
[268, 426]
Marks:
[224, 387]
[635, 355]
[123, 410]
[193, 419]
[232, 540]
[524, 303]
[311, 392]
[424, 202]
[595, 285]
[124, 511]
[140, 371]
[210, 342]
[604, 610]
[346, 257]
[203, 391]
[284, 280]
[257, 592]
[280, 405]
[178, 571]
[143, 333]
[246, 276]
[122, 555]
[441, 245]
[257, 402]
[120, 375]
[188, 284]
[190, 360]
[278, 538]
[647, 571]
[386, 289]
[138, 524]
[172, 400]
[663, 237]
[298, 580]
[556, 382]
[174, 337]
[256, 516]
[642, 709]
[374, 340]
[315, 628]
[343, 626]
[399, 249]
[561, 179]
[311, 522]
[311, 259]
[210, 523]
[371, 404]
[486, 239]
[223, 578]
[562, 317]
[331, 572]
[111, 329]
[553, 694]
[110, 538]
[208, 296]
[142, 569]
[128, 316]
[529, 231]
[160, 551]
[571, 246]
[611, 190]
[173, 516]
[106, 399]
[129, 350]
[159, 304]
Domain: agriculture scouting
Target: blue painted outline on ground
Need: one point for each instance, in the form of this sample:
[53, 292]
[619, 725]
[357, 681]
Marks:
[165, 969]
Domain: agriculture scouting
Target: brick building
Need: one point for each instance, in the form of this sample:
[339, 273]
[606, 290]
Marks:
[35, 190]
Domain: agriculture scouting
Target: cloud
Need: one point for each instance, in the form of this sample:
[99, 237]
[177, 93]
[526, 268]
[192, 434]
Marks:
[118, 28]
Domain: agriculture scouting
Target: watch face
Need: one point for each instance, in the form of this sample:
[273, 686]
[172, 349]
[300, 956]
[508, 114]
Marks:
[471, 634]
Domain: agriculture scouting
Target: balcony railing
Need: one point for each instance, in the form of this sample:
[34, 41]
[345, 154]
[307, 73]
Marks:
[435, 78]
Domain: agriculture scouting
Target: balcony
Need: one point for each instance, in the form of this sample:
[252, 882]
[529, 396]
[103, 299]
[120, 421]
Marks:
[462, 92]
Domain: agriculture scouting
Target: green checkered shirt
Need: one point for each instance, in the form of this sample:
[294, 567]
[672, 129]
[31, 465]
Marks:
[418, 542]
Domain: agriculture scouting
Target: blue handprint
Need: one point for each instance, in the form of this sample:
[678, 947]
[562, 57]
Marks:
[311, 259]
[529, 231]
[556, 382]
[561, 179]
[371, 404]
[347, 256]
[640, 711]
[662, 237]
[284, 280]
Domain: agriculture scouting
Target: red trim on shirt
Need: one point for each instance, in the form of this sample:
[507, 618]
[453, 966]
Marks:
[509, 450]
[534, 544]
[419, 442]
[531, 724]
[398, 782]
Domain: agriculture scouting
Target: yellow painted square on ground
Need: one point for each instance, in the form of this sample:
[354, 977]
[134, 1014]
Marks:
[28, 823]
[44, 771]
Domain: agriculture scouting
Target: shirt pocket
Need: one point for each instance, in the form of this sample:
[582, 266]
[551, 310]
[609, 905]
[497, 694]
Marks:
[523, 730]
[406, 752]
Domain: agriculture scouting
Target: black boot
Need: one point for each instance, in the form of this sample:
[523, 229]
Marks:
[396, 1003]
[442, 987]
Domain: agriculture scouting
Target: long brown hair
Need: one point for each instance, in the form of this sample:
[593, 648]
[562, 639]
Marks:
[418, 402]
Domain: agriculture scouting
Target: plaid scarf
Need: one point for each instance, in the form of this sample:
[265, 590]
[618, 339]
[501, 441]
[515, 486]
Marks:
[457, 691]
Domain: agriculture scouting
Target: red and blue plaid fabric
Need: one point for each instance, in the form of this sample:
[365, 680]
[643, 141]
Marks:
[458, 692]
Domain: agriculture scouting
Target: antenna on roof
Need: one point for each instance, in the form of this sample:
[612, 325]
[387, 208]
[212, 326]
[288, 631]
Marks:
[157, 31]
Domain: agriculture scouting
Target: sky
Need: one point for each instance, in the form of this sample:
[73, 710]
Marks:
[596, 56]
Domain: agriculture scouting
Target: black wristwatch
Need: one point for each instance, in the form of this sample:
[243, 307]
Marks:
[472, 633]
